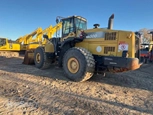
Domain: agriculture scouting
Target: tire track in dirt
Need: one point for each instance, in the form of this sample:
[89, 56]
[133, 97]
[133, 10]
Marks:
[121, 93]
[41, 93]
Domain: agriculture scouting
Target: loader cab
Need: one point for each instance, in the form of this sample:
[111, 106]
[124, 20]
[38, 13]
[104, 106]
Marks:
[73, 24]
[2, 41]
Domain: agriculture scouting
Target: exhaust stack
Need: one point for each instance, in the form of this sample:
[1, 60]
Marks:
[110, 22]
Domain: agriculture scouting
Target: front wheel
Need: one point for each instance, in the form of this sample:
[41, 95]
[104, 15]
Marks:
[78, 64]
[40, 58]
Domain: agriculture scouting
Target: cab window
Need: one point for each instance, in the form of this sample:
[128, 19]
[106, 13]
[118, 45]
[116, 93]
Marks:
[80, 24]
[68, 26]
[2, 42]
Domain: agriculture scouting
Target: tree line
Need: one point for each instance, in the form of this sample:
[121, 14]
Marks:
[146, 37]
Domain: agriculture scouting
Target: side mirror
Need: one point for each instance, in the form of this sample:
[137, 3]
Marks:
[45, 36]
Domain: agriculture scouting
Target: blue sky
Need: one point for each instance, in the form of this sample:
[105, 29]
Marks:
[20, 17]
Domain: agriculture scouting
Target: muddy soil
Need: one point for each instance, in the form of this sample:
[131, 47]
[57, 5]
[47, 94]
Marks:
[26, 90]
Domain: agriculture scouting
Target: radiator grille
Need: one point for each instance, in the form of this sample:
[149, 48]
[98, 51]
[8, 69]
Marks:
[109, 49]
[110, 36]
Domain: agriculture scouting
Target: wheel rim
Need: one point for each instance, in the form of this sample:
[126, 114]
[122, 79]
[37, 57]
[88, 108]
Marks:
[38, 58]
[73, 65]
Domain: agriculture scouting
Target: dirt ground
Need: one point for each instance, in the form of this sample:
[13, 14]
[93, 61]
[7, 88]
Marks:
[26, 90]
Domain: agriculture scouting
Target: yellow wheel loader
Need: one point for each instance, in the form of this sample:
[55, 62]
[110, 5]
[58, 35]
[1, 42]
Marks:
[81, 52]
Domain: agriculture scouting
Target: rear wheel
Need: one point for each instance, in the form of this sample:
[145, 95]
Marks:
[40, 59]
[78, 64]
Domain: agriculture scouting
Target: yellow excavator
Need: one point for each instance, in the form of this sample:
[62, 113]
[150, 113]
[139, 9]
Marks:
[9, 48]
[22, 41]
[81, 52]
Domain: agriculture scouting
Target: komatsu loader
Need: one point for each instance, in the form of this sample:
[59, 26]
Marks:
[81, 52]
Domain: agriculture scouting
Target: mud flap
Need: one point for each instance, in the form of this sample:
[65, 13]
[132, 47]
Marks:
[29, 57]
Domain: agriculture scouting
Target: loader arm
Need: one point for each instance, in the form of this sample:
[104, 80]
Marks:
[51, 31]
[22, 40]
[45, 31]
[30, 38]
[26, 39]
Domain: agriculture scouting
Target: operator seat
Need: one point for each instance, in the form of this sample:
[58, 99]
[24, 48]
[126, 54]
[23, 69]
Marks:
[55, 42]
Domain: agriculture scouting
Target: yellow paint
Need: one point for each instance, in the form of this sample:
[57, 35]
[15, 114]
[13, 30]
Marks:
[92, 43]
[73, 65]
[49, 48]
[32, 46]
[5, 45]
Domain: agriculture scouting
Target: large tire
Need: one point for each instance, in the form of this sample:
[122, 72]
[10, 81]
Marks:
[44, 62]
[85, 61]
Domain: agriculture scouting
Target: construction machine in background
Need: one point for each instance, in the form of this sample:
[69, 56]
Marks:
[50, 31]
[145, 50]
[22, 41]
[26, 43]
[9, 48]
[29, 38]
[81, 52]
